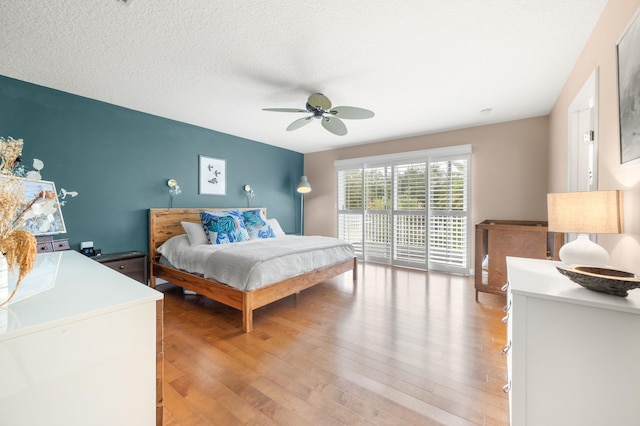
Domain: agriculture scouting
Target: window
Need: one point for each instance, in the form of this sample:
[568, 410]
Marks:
[350, 208]
[448, 215]
[377, 214]
[409, 214]
[409, 209]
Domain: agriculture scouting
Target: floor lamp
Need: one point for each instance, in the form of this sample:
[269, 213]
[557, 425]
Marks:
[303, 188]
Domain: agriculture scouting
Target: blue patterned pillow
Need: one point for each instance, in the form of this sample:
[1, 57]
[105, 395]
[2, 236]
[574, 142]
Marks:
[257, 225]
[224, 227]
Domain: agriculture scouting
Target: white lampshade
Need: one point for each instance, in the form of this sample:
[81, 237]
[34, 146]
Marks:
[304, 186]
[588, 212]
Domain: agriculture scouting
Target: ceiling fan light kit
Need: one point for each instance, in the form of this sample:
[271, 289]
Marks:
[320, 108]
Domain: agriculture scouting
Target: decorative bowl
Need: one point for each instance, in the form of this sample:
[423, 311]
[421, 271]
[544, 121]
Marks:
[603, 280]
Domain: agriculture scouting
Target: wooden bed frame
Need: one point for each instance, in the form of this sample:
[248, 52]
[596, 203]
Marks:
[165, 223]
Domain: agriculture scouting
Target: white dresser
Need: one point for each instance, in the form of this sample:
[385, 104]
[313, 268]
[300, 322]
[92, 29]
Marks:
[573, 354]
[82, 350]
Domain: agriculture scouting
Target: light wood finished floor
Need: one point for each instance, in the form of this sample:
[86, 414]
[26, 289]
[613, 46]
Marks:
[400, 347]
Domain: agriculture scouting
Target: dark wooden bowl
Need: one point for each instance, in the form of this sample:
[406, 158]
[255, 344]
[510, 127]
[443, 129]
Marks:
[603, 280]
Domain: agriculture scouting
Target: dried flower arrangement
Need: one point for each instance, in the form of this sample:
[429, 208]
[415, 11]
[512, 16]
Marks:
[18, 246]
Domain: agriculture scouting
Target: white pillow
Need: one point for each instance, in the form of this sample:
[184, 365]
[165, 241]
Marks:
[195, 233]
[173, 247]
[275, 226]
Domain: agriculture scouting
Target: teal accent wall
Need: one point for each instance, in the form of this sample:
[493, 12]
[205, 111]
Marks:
[119, 161]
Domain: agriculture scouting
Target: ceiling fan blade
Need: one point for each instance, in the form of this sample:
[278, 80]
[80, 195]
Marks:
[334, 125]
[351, 113]
[318, 100]
[285, 109]
[299, 123]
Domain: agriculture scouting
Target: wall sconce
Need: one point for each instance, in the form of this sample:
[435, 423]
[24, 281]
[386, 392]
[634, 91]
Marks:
[586, 212]
[250, 194]
[174, 190]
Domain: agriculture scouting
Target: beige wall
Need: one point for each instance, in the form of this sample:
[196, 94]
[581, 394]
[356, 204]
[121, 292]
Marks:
[600, 52]
[509, 171]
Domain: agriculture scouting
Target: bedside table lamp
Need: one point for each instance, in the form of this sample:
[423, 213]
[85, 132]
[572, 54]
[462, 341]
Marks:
[586, 212]
[303, 188]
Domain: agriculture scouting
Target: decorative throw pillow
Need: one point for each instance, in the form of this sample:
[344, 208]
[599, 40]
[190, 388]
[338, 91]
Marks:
[195, 233]
[257, 225]
[275, 226]
[224, 227]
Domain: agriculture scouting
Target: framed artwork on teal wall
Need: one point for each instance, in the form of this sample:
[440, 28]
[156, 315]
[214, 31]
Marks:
[43, 216]
[213, 176]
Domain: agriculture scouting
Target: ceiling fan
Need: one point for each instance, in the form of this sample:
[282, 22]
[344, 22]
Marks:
[320, 107]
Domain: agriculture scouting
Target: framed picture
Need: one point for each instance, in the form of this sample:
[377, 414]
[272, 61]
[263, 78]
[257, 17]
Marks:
[213, 176]
[629, 94]
[44, 217]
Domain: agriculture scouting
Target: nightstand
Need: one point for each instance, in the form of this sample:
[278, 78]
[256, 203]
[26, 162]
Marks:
[130, 263]
[46, 244]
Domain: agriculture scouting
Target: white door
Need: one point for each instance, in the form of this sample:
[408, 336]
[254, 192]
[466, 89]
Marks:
[583, 138]
[583, 141]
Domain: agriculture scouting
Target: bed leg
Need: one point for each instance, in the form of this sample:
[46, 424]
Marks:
[247, 313]
[152, 281]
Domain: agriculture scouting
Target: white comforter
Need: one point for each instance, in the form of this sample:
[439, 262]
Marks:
[252, 264]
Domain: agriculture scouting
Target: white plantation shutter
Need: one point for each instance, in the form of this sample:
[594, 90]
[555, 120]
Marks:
[377, 215]
[408, 209]
[350, 190]
[449, 214]
[350, 208]
[410, 214]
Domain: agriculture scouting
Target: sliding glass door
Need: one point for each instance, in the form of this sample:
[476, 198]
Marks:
[407, 210]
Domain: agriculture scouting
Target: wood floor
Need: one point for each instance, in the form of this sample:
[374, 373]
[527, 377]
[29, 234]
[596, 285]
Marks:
[400, 347]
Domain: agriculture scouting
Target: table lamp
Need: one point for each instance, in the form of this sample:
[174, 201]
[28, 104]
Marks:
[585, 212]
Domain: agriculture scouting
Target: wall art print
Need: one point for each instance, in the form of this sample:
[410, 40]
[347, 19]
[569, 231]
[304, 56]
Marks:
[629, 93]
[44, 217]
[213, 176]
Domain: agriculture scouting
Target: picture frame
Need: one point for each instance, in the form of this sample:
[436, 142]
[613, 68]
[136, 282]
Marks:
[629, 93]
[213, 176]
[45, 216]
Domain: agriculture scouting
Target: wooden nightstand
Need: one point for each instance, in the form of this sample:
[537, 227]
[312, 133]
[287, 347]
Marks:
[130, 263]
[46, 244]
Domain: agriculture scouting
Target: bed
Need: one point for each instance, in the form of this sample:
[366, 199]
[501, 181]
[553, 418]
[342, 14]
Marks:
[166, 223]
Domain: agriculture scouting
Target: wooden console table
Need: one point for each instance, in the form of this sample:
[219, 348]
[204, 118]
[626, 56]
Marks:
[497, 239]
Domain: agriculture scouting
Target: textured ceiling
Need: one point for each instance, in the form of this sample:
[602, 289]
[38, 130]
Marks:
[422, 66]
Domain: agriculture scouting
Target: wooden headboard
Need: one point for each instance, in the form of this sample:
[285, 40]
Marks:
[165, 223]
